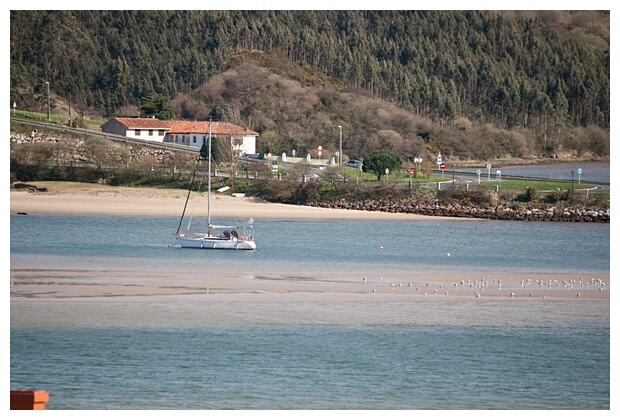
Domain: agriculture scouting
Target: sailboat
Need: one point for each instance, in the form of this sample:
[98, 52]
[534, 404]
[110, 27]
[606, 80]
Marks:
[214, 236]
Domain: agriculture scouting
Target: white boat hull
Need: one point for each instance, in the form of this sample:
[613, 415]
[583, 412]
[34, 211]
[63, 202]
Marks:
[215, 243]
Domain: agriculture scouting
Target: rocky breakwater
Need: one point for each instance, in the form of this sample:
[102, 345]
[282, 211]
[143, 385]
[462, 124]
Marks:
[505, 211]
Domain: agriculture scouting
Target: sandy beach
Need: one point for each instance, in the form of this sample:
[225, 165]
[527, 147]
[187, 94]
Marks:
[48, 285]
[79, 198]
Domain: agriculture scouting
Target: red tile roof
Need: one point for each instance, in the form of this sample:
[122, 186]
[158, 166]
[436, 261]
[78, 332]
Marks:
[139, 123]
[184, 127]
[217, 127]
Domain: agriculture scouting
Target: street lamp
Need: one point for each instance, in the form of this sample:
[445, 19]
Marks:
[340, 156]
[48, 101]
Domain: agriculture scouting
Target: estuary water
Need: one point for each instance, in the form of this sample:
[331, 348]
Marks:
[313, 246]
[464, 356]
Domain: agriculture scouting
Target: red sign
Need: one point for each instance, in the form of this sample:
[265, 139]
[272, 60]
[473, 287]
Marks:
[320, 152]
[442, 166]
[410, 171]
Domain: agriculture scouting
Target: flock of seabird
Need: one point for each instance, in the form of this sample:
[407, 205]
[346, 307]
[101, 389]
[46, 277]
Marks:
[497, 284]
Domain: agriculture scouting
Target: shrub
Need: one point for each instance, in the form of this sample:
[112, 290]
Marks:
[558, 195]
[531, 194]
[481, 196]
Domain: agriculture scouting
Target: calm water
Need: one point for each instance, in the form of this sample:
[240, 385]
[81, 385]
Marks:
[311, 367]
[536, 357]
[315, 246]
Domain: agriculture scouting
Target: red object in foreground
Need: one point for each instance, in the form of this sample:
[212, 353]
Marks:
[28, 399]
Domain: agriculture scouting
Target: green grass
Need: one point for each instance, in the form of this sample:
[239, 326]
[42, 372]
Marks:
[506, 183]
[57, 119]
[545, 185]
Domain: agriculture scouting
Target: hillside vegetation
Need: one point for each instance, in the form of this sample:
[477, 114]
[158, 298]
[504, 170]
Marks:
[469, 84]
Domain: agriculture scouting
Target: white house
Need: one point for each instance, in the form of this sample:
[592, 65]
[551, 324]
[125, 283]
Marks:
[194, 133]
[137, 128]
[189, 133]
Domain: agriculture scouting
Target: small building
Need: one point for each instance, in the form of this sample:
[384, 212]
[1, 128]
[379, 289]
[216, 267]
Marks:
[137, 128]
[188, 133]
[195, 133]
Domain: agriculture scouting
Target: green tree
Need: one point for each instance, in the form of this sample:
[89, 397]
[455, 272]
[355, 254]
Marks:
[158, 106]
[215, 149]
[380, 160]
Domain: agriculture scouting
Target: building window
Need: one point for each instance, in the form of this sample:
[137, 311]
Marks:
[137, 132]
[160, 132]
[150, 132]
[194, 139]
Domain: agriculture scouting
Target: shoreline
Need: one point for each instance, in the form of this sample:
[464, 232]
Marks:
[81, 198]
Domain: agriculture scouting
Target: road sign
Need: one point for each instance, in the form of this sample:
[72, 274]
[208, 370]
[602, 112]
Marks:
[442, 166]
[320, 152]
[410, 172]
[579, 171]
[439, 158]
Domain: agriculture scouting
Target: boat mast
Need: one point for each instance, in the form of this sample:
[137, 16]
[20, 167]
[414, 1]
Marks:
[209, 186]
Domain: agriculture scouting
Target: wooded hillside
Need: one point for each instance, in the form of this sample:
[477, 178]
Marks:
[474, 84]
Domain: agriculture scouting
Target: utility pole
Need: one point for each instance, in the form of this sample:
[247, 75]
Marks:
[340, 155]
[48, 101]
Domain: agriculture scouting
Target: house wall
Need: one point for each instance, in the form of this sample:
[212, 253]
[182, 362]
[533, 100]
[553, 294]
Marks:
[151, 134]
[114, 127]
[248, 146]
[187, 139]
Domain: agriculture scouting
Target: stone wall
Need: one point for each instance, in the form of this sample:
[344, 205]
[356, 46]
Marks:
[554, 213]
